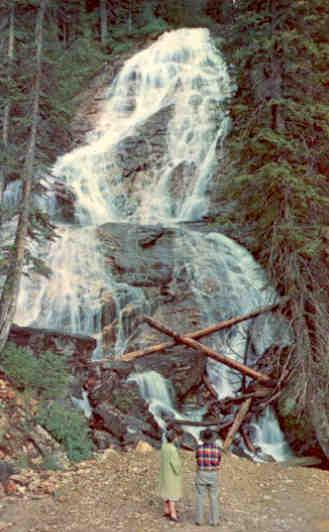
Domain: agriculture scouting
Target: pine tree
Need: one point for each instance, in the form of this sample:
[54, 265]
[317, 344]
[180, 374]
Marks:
[10, 41]
[279, 177]
[11, 286]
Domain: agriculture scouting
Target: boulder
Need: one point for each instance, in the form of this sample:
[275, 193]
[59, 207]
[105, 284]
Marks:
[103, 391]
[143, 447]
[184, 368]
[126, 428]
[6, 471]
[103, 439]
[112, 420]
[188, 441]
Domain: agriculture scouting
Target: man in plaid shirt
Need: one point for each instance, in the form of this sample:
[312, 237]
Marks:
[208, 457]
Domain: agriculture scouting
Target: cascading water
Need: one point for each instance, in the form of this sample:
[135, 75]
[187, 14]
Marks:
[158, 392]
[180, 84]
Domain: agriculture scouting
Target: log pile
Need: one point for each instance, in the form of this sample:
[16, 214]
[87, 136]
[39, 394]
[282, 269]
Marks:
[261, 391]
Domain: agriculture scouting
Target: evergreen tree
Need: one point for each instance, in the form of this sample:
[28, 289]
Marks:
[10, 42]
[180, 13]
[11, 286]
[280, 173]
[35, 125]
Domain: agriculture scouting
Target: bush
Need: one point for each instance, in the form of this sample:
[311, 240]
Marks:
[19, 364]
[52, 376]
[69, 427]
[50, 462]
[48, 374]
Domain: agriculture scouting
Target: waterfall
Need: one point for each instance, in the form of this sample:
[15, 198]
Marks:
[159, 394]
[268, 437]
[12, 194]
[151, 158]
[183, 73]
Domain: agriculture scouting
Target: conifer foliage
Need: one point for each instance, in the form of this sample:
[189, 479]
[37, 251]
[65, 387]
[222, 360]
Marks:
[279, 174]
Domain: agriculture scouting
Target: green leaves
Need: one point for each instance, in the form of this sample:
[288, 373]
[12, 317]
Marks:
[69, 427]
[279, 174]
[47, 375]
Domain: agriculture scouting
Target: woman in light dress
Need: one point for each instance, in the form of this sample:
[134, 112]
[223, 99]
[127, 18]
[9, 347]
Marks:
[170, 476]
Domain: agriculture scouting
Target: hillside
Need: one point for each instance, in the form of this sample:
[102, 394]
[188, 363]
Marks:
[118, 492]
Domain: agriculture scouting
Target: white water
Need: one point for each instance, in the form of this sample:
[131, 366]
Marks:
[83, 404]
[159, 393]
[183, 73]
[268, 437]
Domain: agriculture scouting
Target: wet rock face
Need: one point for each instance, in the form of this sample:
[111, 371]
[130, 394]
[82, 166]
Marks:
[139, 255]
[139, 156]
[146, 257]
[65, 201]
[119, 409]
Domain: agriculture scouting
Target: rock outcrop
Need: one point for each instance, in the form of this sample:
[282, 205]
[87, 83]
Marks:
[78, 348]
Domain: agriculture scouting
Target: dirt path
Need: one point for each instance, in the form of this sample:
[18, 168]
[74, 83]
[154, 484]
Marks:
[118, 492]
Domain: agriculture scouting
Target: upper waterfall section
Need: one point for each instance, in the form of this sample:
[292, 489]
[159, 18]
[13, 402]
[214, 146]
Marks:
[159, 135]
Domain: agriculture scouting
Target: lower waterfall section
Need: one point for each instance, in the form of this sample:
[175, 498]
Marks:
[265, 432]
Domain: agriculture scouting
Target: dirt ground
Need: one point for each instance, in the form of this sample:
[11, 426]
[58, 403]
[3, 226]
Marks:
[117, 491]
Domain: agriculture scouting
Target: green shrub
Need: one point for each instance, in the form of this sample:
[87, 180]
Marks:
[154, 25]
[48, 374]
[19, 364]
[119, 47]
[52, 376]
[50, 462]
[69, 427]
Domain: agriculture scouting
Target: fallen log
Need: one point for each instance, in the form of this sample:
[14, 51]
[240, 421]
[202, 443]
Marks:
[228, 402]
[195, 423]
[209, 386]
[198, 334]
[242, 412]
[302, 461]
[247, 440]
[245, 370]
[225, 426]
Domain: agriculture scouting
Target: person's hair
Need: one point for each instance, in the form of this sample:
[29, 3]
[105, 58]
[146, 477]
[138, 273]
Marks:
[207, 435]
[171, 435]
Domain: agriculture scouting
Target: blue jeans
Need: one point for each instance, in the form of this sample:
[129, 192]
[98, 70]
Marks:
[207, 485]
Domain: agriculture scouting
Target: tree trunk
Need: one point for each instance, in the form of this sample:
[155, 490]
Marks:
[236, 424]
[202, 332]
[194, 423]
[130, 17]
[6, 114]
[209, 386]
[245, 370]
[10, 290]
[103, 20]
[247, 440]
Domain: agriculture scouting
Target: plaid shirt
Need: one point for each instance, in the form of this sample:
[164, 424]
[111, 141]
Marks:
[208, 457]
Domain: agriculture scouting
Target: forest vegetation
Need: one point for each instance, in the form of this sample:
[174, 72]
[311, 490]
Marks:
[277, 163]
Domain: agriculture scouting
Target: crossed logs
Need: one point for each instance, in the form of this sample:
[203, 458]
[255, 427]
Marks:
[267, 389]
